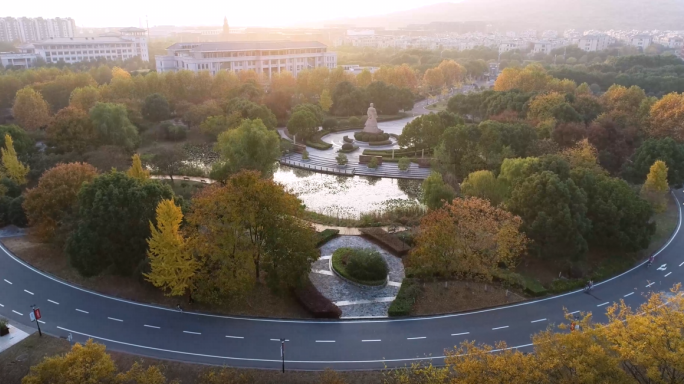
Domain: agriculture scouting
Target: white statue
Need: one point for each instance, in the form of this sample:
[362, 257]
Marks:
[372, 121]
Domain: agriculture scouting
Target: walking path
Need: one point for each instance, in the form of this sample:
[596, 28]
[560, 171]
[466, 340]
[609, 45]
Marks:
[356, 301]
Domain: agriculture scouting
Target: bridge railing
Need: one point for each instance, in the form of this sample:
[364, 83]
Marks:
[319, 168]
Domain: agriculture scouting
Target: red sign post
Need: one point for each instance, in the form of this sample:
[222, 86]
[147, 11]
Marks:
[36, 315]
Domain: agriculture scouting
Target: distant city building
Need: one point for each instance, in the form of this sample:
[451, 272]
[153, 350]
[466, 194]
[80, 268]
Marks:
[129, 43]
[355, 69]
[26, 29]
[640, 41]
[265, 57]
[593, 43]
[225, 31]
[544, 47]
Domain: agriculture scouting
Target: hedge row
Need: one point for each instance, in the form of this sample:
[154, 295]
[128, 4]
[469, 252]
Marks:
[326, 235]
[529, 285]
[318, 305]
[403, 303]
[371, 137]
[316, 142]
[378, 143]
[347, 139]
[390, 241]
[342, 255]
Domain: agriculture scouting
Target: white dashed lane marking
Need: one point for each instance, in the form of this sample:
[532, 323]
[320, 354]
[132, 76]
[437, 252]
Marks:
[234, 337]
[8, 282]
[681, 264]
[192, 333]
[41, 321]
[111, 318]
[416, 338]
[650, 284]
[20, 314]
[668, 274]
[370, 341]
[601, 305]
[29, 292]
[504, 327]
[80, 310]
[325, 341]
[460, 334]
[629, 294]
[151, 326]
[537, 321]
[53, 302]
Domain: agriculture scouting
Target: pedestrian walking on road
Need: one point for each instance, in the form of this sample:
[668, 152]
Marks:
[179, 308]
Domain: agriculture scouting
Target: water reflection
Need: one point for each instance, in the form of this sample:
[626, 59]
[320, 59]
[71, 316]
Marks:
[346, 197]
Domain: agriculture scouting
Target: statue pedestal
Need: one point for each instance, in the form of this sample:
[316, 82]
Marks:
[372, 127]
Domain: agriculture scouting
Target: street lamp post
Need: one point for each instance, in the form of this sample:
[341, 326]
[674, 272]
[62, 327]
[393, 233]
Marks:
[282, 352]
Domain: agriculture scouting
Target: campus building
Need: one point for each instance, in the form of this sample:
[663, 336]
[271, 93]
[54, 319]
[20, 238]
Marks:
[265, 57]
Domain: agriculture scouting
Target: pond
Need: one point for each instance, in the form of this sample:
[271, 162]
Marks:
[347, 197]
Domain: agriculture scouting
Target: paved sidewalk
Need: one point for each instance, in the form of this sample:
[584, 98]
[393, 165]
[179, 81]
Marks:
[15, 336]
[349, 231]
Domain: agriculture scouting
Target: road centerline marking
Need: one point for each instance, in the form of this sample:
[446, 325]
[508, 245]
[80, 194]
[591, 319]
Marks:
[537, 321]
[681, 263]
[572, 313]
[53, 302]
[629, 294]
[648, 286]
[505, 326]
[416, 338]
[29, 292]
[2, 306]
[668, 274]
[370, 341]
[80, 310]
[601, 305]
[41, 321]
[234, 337]
[111, 318]
[192, 333]
[460, 334]
[8, 282]
[151, 326]
[325, 341]
[20, 314]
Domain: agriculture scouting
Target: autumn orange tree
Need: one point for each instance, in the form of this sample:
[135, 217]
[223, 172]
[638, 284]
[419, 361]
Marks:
[542, 106]
[172, 265]
[13, 169]
[137, 171]
[244, 227]
[468, 238]
[641, 346]
[655, 188]
[84, 98]
[89, 363]
[71, 130]
[50, 207]
[452, 72]
[433, 80]
[532, 78]
[30, 109]
[667, 117]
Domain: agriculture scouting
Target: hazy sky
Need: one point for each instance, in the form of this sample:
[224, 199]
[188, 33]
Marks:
[206, 12]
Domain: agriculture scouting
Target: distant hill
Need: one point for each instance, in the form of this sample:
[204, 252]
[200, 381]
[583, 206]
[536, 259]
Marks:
[546, 14]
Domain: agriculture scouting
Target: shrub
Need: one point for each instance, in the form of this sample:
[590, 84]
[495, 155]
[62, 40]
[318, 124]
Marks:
[326, 235]
[354, 121]
[395, 245]
[318, 305]
[404, 164]
[403, 303]
[16, 214]
[172, 132]
[386, 142]
[330, 123]
[363, 266]
[347, 147]
[529, 285]
[305, 155]
[347, 139]
[316, 142]
[342, 159]
[371, 137]
[373, 163]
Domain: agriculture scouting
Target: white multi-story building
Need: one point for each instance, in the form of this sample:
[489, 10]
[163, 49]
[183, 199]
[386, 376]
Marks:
[131, 43]
[593, 43]
[26, 29]
[544, 46]
[640, 41]
[265, 57]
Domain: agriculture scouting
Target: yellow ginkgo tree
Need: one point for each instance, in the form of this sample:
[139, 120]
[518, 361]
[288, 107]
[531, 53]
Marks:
[12, 167]
[137, 171]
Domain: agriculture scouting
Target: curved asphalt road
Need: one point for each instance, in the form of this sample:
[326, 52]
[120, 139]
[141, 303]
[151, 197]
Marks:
[313, 345]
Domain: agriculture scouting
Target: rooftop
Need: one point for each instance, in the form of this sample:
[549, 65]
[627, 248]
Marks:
[247, 45]
[80, 40]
